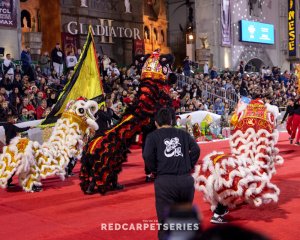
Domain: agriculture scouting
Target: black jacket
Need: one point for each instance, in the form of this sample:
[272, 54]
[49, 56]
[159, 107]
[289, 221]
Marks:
[288, 112]
[244, 89]
[170, 151]
[57, 56]
[146, 130]
[297, 108]
[103, 120]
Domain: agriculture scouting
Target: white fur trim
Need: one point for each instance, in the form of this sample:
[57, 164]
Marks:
[249, 169]
[52, 157]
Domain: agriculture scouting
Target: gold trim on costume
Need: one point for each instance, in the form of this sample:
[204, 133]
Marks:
[153, 75]
[72, 117]
[107, 132]
[217, 158]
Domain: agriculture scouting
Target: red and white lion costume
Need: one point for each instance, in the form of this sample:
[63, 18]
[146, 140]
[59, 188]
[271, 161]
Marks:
[244, 175]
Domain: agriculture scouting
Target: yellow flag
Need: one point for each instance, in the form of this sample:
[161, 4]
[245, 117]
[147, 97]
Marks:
[85, 81]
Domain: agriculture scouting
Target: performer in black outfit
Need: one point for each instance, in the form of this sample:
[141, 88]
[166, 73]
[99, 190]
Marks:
[289, 112]
[11, 130]
[296, 122]
[104, 117]
[146, 130]
[171, 153]
[150, 176]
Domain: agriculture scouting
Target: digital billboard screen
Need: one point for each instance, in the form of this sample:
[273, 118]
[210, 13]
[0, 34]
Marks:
[256, 32]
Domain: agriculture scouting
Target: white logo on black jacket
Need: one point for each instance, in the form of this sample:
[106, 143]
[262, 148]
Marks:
[172, 147]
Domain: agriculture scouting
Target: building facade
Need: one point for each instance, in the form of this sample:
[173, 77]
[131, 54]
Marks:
[155, 26]
[218, 32]
[122, 28]
[181, 16]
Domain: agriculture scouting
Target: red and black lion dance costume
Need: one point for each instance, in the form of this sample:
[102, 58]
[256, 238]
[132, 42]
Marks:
[103, 159]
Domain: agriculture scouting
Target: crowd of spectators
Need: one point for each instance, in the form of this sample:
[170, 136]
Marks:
[217, 92]
[28, 92]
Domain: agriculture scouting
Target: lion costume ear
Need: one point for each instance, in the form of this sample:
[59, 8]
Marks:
[70, 104]
[141, 59]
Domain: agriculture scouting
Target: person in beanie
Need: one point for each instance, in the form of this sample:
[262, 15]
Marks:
[171, 153]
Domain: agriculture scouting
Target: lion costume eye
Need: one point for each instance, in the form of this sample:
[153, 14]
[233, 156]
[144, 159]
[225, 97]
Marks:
[80, 111]
[92, 107]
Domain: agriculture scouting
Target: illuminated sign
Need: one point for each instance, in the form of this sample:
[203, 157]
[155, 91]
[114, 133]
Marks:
[8, 13]
[105, 30]
[256, 32]
[292, 28]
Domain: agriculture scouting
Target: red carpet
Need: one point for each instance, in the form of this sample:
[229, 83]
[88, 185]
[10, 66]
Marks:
[61, 211]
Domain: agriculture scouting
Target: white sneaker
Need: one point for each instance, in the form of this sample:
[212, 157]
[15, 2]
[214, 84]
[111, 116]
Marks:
[217, 219]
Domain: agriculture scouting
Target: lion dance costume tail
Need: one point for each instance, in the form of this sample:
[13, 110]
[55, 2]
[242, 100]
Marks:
[244, 175]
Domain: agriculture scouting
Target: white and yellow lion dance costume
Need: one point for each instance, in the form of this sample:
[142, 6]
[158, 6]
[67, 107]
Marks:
[33, 162]
[244, 175]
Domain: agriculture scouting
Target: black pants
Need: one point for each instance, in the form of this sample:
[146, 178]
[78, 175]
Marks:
[220, 209]
[9, 181]
[170, 190]
[147, 170]
[71, 165]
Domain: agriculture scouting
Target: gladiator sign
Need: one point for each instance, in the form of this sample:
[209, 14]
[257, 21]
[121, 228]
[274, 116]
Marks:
[292, 28]
[105, 30]
[8, 13]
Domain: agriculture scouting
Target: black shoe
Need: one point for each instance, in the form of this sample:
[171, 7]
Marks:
[149, 179]
[128, 151]
[89, 192]
[11, 185]
[71, 174]
[291, 141]
[117, 187]
[225, 213]
[9, 181]
[36, 188]
[218, 219]
[297, 143]
[91, 188]
[102, 190]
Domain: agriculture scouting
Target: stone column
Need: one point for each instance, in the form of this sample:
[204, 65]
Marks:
[34, 41]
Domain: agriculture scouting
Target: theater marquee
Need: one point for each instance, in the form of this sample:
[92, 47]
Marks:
[292, 28]
[8, 13]
[105, 30]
